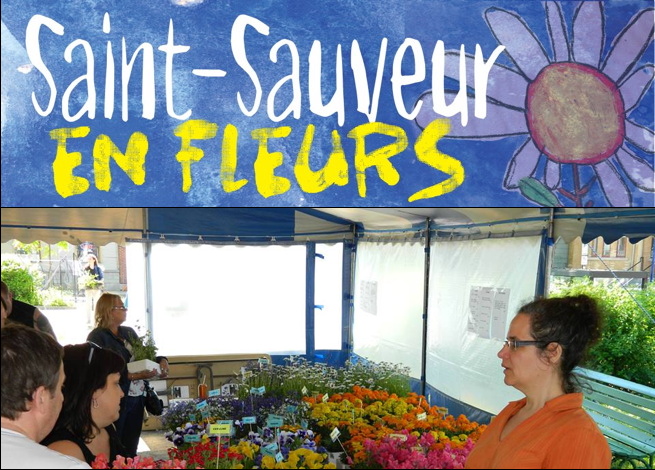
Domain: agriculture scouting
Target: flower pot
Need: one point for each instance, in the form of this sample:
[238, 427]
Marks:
[336, 459]
[142, 365]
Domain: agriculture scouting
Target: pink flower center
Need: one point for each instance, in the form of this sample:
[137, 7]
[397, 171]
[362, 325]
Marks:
[575, 113]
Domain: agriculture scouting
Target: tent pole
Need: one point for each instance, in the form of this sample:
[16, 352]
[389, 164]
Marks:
[147, 251]
[347, 305]
[542, 290]
[310, 302]
[426, 285]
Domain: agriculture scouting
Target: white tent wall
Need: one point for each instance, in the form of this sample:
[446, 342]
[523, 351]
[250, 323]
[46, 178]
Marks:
[137, 287]
[328, 294]
[388, 312]
[222, 299]
[460, 363]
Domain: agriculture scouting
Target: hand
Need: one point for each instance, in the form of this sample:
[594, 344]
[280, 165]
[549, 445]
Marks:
[145, 375]
[163, 364]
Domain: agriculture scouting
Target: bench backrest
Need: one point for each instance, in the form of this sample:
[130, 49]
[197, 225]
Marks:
[623, 410]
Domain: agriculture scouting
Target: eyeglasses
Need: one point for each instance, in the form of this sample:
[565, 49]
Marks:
[119, 308]
[93, 348]
[514, 344]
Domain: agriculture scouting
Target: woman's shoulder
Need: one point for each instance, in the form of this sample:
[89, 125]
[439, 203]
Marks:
[64, 442]
[127, 332]
[99, 335]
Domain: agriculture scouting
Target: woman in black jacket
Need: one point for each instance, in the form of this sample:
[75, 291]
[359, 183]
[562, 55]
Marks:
[109, 315]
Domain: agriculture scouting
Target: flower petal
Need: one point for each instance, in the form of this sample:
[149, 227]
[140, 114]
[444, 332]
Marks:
[521, 44]
[557, 32]
[588, 33]
[636, 85]
[523, 163]
[615, 190]
[638, 170]
[504, 85]
[629, 45]
[552, 173]
[500, 121]
[640, 136]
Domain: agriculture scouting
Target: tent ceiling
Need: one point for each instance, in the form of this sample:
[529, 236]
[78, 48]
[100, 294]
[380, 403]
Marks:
[73, 225]
[105, 225]
[569, 223]
[389, 219]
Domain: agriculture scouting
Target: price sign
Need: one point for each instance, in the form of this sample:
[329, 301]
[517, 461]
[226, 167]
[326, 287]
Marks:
[220, 429]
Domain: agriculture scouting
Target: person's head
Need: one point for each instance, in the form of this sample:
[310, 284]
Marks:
[110, 310]
[32, 377]
[92, 394]
[92, 260]
[558, 331]
[7, 296]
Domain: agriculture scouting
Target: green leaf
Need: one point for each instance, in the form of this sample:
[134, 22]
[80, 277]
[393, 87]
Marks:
[536, 191]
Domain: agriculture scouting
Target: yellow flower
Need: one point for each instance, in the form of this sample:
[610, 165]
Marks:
[268, 462]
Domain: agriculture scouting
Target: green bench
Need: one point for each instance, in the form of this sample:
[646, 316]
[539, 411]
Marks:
[624, 412]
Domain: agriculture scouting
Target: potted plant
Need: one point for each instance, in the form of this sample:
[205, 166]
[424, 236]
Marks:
[144, 350]
[88, 281]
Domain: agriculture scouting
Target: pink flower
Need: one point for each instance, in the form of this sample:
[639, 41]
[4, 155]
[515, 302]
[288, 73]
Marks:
[101, 461]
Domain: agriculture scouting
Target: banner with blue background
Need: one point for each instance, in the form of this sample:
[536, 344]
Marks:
[327, 103]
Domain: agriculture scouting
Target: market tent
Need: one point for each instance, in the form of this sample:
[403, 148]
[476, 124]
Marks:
[398, 304]
[105, 225]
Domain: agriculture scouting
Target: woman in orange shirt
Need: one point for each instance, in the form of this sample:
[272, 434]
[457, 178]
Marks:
[548, 428]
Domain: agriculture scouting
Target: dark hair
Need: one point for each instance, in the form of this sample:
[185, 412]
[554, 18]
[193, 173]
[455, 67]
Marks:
[86, 371]
[573, 322]
[30, 359]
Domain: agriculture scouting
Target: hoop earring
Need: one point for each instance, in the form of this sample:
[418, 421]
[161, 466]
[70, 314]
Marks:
[94, 403]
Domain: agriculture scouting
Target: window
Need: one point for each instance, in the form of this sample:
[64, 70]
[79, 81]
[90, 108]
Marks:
[613, 250]
[620, 248]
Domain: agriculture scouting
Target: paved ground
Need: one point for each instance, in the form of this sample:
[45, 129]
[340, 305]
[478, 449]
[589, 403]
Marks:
[154, 444]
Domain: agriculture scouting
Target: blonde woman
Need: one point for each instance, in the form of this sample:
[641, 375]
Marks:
[110, 314]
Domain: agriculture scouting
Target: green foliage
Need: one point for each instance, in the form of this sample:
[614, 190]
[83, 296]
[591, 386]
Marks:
[39, 247]
[22, 280]
[289, 380]
[647, 461]
[56, 298]
[89, 281]
[627, 346]
[144, 347]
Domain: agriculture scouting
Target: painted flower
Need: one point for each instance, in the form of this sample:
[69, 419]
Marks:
[573, 109]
